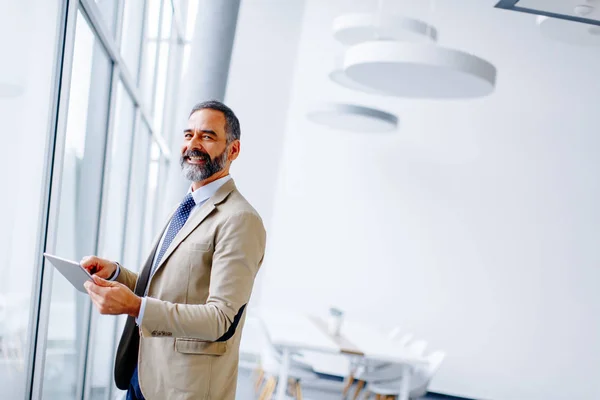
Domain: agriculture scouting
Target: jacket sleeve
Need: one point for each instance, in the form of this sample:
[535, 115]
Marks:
[239, 251]
[127, 278]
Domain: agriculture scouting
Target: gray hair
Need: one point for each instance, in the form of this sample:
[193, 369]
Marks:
[232, 124]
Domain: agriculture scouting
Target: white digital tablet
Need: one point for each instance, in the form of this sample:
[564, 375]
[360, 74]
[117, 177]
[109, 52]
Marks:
[71, 270]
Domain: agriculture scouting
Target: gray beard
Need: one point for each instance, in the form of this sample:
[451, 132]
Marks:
[197, 173]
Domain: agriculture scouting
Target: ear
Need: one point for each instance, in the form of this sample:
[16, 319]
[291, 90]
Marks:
[234, 150]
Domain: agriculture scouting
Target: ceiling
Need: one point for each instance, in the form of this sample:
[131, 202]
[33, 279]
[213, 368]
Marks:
[588, 11]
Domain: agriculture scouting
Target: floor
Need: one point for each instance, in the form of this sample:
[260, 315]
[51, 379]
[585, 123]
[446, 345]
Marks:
[320, 390]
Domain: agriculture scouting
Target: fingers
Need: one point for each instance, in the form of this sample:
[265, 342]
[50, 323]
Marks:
[101, 297]
[103, 282]
[97, 266]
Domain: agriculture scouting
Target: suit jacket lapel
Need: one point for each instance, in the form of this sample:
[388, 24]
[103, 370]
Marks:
[197, 218]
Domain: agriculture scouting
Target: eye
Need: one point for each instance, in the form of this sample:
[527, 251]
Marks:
[206, 137]
[187, 135]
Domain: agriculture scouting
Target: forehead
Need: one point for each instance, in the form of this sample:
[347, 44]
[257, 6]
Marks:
[207, 119]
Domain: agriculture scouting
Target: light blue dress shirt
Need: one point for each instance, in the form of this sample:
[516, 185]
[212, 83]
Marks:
[200, 196]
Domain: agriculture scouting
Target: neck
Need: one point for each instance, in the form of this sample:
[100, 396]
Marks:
[212, 178]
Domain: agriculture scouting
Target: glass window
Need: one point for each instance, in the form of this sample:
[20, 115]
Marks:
[28, 38]
[80, 191]
[103, 347]
[161, 211]
[132, 257]
[137, 198]
[108, 10]
[167, 32]
[150, 208]
[131, 35]
[150, 50]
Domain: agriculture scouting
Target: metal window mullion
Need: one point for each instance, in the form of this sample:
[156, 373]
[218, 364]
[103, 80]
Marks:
[54, 163]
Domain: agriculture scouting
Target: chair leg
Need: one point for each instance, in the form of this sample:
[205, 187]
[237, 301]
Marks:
[378, 397]
[349, 382]
[259, 379]
[269, 388]
[359, 388]
[298, 390]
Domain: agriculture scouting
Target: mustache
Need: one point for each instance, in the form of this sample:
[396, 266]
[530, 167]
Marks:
[196, 153]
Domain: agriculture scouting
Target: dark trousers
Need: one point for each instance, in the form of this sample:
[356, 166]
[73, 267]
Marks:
[134, 392]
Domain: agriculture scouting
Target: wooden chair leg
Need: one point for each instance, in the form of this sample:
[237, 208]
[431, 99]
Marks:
[259, 379]
[377, 397]
[269, 388]
[298, 390]
[349, 382]
[359, 388]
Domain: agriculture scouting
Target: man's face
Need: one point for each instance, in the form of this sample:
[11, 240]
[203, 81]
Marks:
[204, 152]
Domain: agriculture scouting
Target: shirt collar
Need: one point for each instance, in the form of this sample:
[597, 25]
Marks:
[205, 192]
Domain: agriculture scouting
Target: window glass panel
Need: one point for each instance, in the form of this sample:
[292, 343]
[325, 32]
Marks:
[103, 347]
[132, 257]
[160, 213]
[108, 10]
[162, 68]
[131, 35]
[81, 181]
[137, 193]
[150, 48]
[28, 35]
[148, 233]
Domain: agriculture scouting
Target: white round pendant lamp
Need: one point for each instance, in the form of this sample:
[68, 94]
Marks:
[350, 117]
[569, 32]
[338, 76]
[351, 29]
[418, 70]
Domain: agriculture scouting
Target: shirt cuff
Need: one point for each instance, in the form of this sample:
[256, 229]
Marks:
[140, 316]
[115, 274]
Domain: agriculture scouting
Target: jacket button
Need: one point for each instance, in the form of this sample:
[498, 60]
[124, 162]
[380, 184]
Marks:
[154, 333]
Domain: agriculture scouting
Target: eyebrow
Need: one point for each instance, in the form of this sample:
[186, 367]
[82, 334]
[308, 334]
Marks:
[201, 131]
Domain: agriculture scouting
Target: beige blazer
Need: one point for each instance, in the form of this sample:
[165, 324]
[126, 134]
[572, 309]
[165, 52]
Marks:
[190, 333]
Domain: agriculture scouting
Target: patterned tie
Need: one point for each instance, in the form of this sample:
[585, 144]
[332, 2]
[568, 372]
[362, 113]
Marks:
[177, 222]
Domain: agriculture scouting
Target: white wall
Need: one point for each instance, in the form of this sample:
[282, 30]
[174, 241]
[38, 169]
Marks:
[258, 90]
[476, 225]
[27, 38]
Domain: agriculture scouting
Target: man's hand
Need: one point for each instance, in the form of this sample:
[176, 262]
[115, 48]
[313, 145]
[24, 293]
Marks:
[113, 298]
[98, 266]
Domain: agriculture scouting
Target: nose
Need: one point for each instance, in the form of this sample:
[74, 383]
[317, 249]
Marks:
[195, 144]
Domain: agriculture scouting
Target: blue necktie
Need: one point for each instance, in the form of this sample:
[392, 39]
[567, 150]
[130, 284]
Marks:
[177, 222]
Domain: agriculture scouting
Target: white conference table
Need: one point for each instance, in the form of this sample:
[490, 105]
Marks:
[296, 332]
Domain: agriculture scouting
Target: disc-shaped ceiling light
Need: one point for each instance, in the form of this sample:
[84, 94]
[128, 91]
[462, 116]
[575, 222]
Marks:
[338, 76]
[350, 117]
[351, 29]
[569, 32]
[418, 70]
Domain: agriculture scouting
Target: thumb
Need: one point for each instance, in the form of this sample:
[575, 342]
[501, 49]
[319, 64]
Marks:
[103, 282]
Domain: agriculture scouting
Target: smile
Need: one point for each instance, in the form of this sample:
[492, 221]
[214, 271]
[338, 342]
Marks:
[195, 160]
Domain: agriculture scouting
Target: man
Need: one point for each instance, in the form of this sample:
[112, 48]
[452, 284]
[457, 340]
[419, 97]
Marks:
[186, 306]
